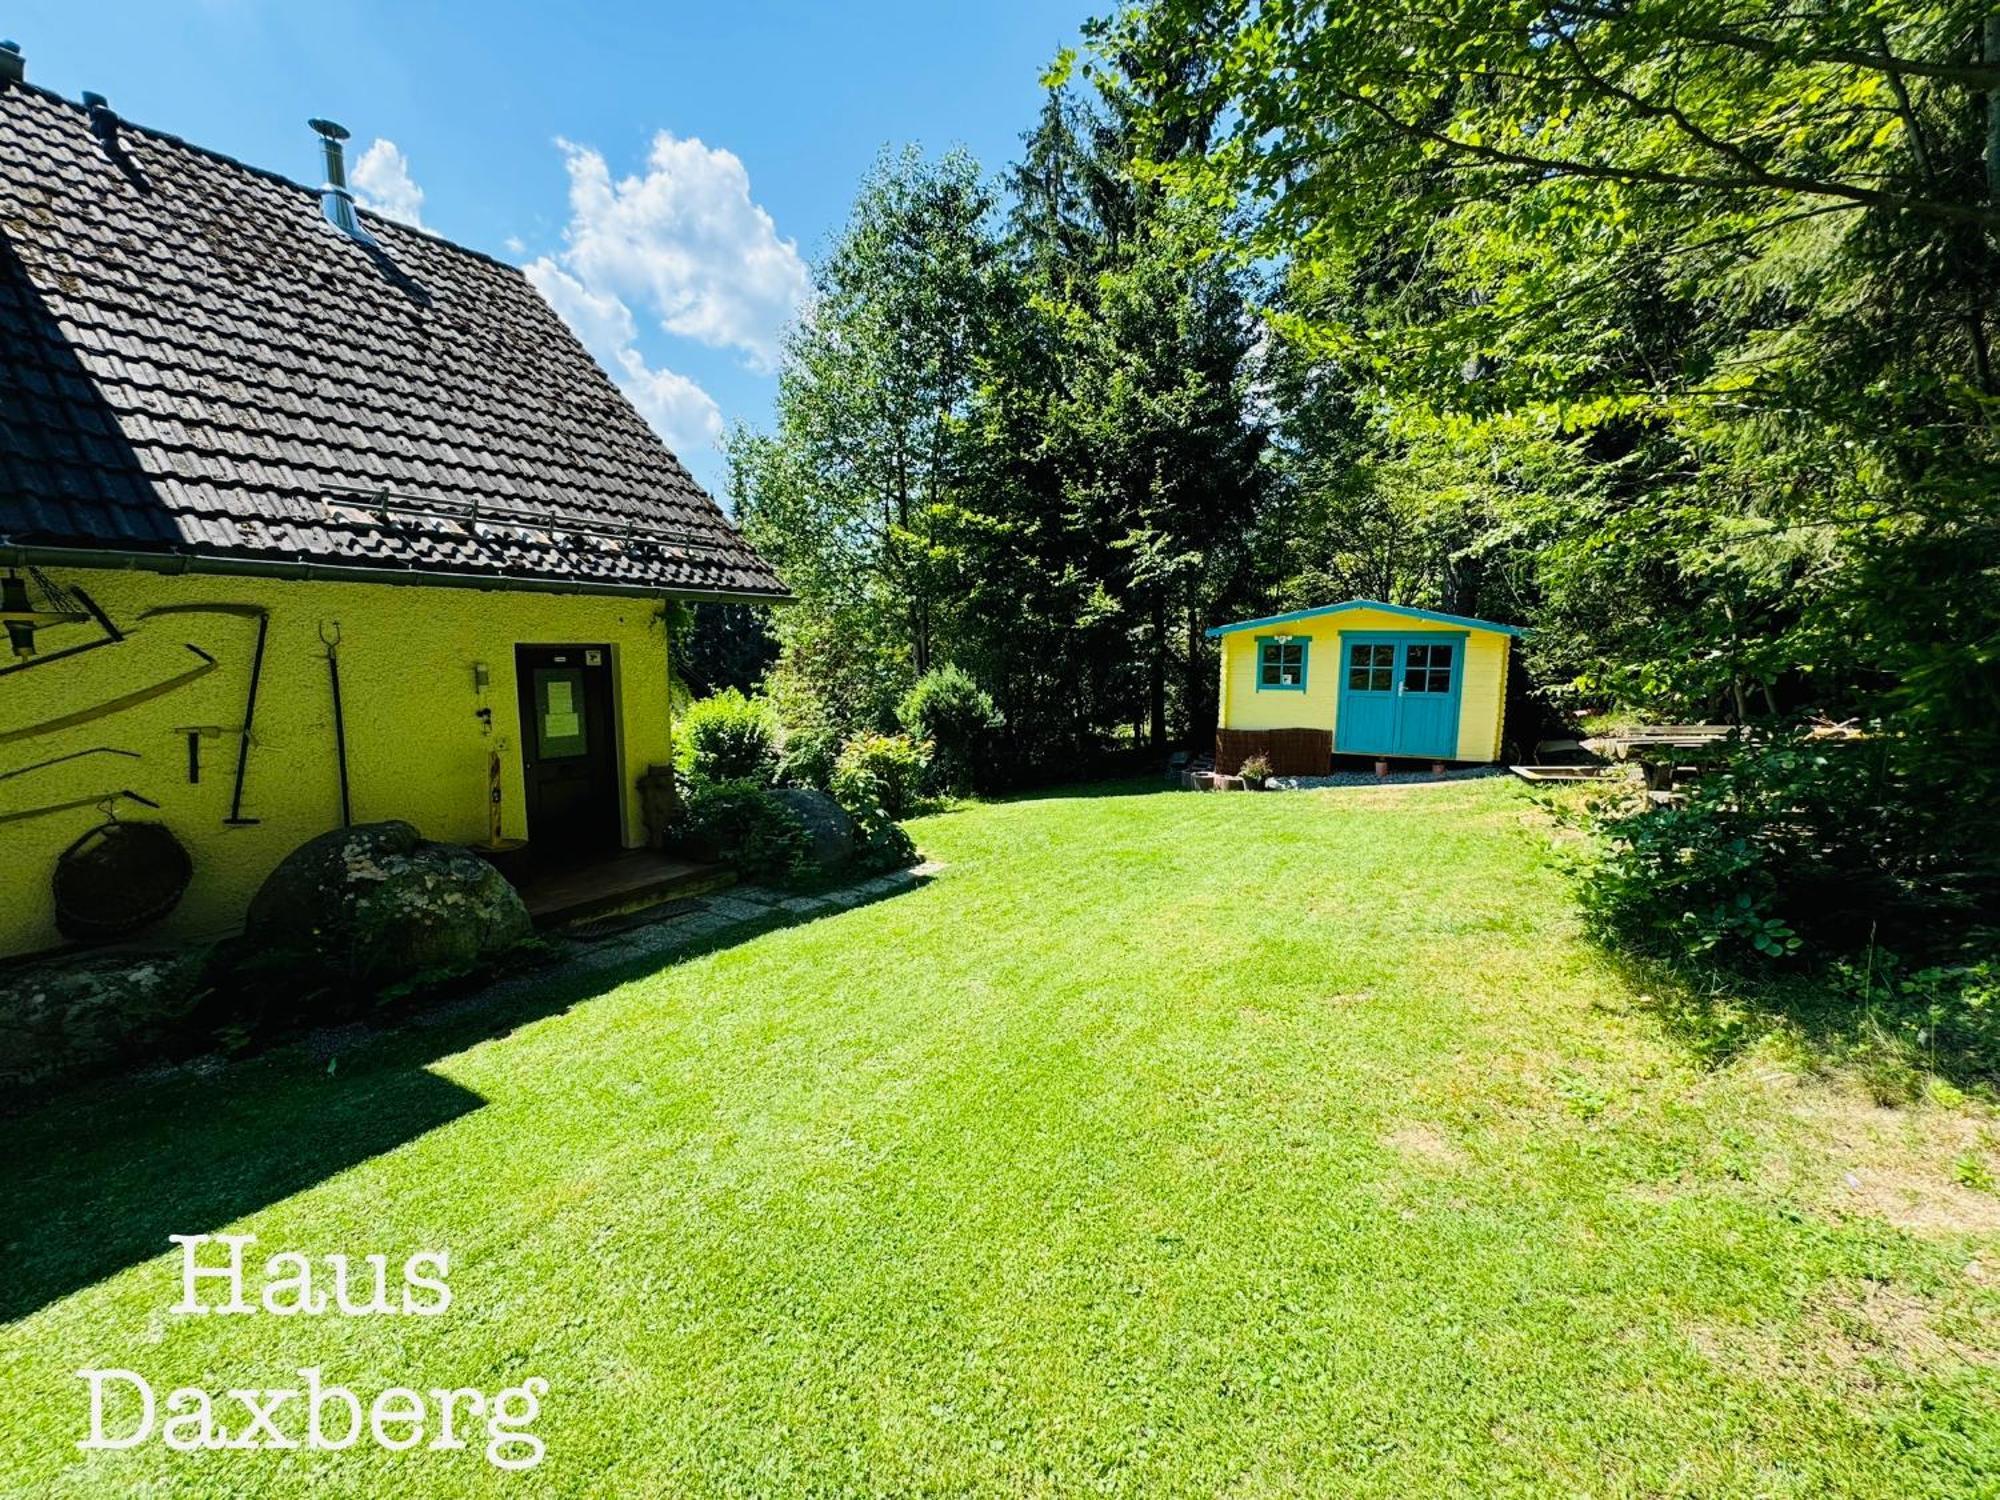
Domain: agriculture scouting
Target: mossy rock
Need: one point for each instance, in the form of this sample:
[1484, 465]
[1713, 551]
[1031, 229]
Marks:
[71, 1017]
[376, 907]
[826, 823]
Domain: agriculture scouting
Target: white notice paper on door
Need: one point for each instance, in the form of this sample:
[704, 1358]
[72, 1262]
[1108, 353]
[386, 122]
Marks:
[559, 721]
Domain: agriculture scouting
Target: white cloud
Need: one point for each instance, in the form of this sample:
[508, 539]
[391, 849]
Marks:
[686, 243]
[515, 245]
[382, 182]
[681, 412]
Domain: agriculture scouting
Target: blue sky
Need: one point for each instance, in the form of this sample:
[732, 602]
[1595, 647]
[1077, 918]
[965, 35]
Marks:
[665, 170]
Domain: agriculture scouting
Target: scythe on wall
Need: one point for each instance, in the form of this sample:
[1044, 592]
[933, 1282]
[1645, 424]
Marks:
[115, 705]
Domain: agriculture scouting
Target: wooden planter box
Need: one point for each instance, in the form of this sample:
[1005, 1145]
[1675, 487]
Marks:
[1291, 752]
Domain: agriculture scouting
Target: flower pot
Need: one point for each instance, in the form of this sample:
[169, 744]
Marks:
[1381, 768]
[1437, 768]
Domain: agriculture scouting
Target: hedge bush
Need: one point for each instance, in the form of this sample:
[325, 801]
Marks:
[957, 718]
[743, 825]
[727, 737]
[806, 755]
[881, 771]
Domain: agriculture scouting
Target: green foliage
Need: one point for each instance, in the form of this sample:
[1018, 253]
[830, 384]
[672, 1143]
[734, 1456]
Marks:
[853, 497]
[806, 755]
[956, 717]
[1667, 330]
[1969, 1170]
[1687, 879]
[881, 771]
[719, 646]
[1783, 846]
[727, 737]
[740, 824]
[1029, 448]
[881, 843]
[1949, 1011]
[1256, 770]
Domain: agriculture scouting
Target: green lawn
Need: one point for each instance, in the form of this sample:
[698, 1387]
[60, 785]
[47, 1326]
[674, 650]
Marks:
[1162, 1144]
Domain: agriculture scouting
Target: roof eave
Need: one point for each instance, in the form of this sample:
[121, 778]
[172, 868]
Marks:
[1436, 617]
[301, 570]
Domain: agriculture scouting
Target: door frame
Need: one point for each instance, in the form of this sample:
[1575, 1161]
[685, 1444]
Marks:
[615, 709]
[1402, 639]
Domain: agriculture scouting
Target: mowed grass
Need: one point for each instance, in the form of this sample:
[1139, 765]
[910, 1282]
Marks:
[1161, 1145]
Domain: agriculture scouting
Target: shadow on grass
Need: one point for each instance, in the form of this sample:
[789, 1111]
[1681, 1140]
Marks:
[1718, 1015]
[1146, 786]
[96, 1179]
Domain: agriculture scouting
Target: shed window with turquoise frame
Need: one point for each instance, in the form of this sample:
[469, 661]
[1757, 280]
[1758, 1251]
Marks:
[1371, 669]
[1281, 664]
[1426, 669]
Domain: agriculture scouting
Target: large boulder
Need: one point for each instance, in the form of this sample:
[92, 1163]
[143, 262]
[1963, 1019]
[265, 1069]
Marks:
[826, 822]
[69, 1017]
[375, 905]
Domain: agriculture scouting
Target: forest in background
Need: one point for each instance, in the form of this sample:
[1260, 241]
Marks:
[1664, 329]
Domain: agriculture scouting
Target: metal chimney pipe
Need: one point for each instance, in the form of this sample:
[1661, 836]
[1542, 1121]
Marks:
[13, 66]
[103, 119]
[335, 201]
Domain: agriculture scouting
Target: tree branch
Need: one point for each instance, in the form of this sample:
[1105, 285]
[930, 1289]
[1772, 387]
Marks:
[1756, 179]
[1971, 75]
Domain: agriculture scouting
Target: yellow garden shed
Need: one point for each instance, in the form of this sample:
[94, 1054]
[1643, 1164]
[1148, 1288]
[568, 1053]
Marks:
[1360, 678]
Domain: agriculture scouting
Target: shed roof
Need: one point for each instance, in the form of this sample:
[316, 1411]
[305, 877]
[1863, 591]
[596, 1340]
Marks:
[1435, 617]
[195, 364]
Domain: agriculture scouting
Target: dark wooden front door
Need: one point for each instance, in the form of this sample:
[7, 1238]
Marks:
[569, 762]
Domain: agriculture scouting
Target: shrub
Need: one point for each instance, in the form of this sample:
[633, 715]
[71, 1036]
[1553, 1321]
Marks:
[1784, 846]
[728, 737]
[806, 754]
[881, 844]
[957, 718]
[885, 771]
[1688, 879]
[743, 825]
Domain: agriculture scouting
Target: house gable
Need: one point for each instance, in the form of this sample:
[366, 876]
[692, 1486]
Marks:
[200, 372]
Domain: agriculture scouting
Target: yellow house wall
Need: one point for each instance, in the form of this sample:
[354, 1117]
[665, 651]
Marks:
[416, 747]
[1482, 696]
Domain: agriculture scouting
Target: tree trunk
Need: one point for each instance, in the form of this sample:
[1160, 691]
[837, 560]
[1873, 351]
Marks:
[1194, 697]
[1990, 54]
[1159, 674]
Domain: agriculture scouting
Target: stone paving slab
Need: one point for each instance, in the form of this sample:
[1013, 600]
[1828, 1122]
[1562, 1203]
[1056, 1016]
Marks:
[657, 940]
[739, 907]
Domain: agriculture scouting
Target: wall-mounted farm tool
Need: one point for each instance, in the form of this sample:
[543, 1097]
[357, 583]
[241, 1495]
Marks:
[205, 665]
[262, 616]
[36, 603]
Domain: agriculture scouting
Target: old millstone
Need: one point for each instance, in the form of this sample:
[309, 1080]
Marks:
[826, 822]
[375, 905]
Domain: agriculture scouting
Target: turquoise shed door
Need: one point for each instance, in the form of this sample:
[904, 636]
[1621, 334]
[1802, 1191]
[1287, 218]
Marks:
[1366, 723]
[1427, 700]
[1399, 695]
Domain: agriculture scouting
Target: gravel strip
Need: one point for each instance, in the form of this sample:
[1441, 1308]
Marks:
[1369, 778]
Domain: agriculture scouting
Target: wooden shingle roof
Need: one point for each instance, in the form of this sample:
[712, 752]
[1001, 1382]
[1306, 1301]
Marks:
[195, 363]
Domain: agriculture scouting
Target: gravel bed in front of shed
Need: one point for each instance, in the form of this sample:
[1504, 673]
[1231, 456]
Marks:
[1369, 778]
